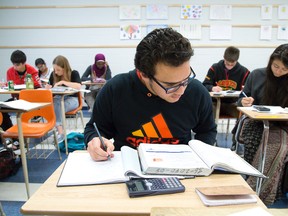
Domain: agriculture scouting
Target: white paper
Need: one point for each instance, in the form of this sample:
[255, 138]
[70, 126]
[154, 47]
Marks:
[283, 12]
[129, 12]
[221, 12]
[155, 11]
[266, 32]
[220, 32]
[192, 31]
[266, 12]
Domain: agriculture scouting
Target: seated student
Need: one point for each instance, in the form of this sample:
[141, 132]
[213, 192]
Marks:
[63, 75]
[97, 72]
[17, 73]
[43, 70]
[227, 74]
[267, 86]
[157, 102]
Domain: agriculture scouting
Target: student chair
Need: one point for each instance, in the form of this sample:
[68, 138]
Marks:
[37, 130]
[76, 112]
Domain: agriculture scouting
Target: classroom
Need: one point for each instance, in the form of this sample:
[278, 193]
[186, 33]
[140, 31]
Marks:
[79, 29]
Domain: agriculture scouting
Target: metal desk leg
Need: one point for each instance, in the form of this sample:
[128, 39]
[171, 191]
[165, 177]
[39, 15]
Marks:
[262, 156]
[64, 122]
[217, 113]
[23, 153]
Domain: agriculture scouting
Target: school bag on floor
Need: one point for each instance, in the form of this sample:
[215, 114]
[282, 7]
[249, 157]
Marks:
[75, 141]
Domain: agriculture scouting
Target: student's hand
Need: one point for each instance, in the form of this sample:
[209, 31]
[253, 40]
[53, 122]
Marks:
[47, 86]
[247, 101]
[96, 151]
[216, 89]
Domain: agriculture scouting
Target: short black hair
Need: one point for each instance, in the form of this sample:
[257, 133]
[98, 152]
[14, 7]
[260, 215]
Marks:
[164, 45]
[18, 57]
[39, 61]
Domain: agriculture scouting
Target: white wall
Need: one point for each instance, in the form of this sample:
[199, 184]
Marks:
[80, 44]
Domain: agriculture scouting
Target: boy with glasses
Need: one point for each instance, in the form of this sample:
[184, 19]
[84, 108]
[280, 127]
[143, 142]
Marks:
[158, 102]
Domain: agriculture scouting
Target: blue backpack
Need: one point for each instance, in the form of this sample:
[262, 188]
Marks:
[75, 141]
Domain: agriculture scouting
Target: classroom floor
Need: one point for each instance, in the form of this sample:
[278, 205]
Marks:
[13, 192]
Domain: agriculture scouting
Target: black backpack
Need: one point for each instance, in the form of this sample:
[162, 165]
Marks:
[8, 164]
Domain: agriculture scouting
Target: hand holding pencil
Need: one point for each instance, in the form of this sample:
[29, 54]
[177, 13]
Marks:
[246, 101]
[99, 148]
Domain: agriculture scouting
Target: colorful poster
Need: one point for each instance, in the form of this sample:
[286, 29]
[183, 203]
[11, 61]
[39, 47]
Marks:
[130, 32]
[191, 11]
[155, 11]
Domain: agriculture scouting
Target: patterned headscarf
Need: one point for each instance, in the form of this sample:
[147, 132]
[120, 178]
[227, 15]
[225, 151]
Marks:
[99, 72]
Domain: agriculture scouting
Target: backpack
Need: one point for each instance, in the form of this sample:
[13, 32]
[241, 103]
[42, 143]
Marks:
[8, 165]
[75, 141]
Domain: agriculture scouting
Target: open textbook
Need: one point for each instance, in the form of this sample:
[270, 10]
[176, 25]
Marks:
[156, 160]
[80, 169]
[21, 105]
[196, 158]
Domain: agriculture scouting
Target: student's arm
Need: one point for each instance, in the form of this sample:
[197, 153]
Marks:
[108, 73]
[209, 80]
[86, 74]
[74, 83]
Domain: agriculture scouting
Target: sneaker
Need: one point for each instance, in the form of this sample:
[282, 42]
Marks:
[60, 138]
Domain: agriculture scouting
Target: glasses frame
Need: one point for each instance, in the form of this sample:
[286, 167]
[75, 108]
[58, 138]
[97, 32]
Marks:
[173, 89]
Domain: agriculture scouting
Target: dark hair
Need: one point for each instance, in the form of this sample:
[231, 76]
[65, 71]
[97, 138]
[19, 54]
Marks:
[276, 88]
[162, 45]
[18, 57]
[231, 54]
[39, 61]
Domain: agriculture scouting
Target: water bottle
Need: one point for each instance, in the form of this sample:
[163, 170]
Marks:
[29, 82]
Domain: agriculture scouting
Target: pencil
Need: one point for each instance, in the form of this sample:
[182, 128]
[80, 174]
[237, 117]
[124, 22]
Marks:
[244, 94]
[101, 139]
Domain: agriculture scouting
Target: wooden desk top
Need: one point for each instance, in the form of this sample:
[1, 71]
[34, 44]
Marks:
[160, 211]
[113, 199]
[263, 116]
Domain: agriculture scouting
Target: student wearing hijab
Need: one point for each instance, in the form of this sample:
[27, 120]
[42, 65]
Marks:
[98, 72]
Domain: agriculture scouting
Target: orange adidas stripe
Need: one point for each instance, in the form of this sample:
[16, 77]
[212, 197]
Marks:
[162, 126]
[150, 130]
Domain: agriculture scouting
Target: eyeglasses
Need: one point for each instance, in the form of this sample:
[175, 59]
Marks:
[175, 88]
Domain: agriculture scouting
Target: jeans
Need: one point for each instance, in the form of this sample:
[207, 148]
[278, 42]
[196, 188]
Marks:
[70, 103]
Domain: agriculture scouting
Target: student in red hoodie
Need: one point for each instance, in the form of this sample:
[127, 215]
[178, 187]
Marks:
[17, 74]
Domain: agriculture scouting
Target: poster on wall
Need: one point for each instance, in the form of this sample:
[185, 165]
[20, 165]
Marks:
[282, 33]
[130, 32]
[152, 27]
[221, 12]
[266, 12]
[266, 32]
[220, 32]
[129, 12]
[283, 12]
[192, 31]
[191, 11]
[155, 11]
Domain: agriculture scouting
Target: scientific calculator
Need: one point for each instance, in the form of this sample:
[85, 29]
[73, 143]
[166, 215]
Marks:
[155, 186]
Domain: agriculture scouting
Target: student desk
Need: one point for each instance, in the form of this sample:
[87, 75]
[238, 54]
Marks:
[21, 140]
[265, 117]
[113, 199]
[218, 97]
[62, 94]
